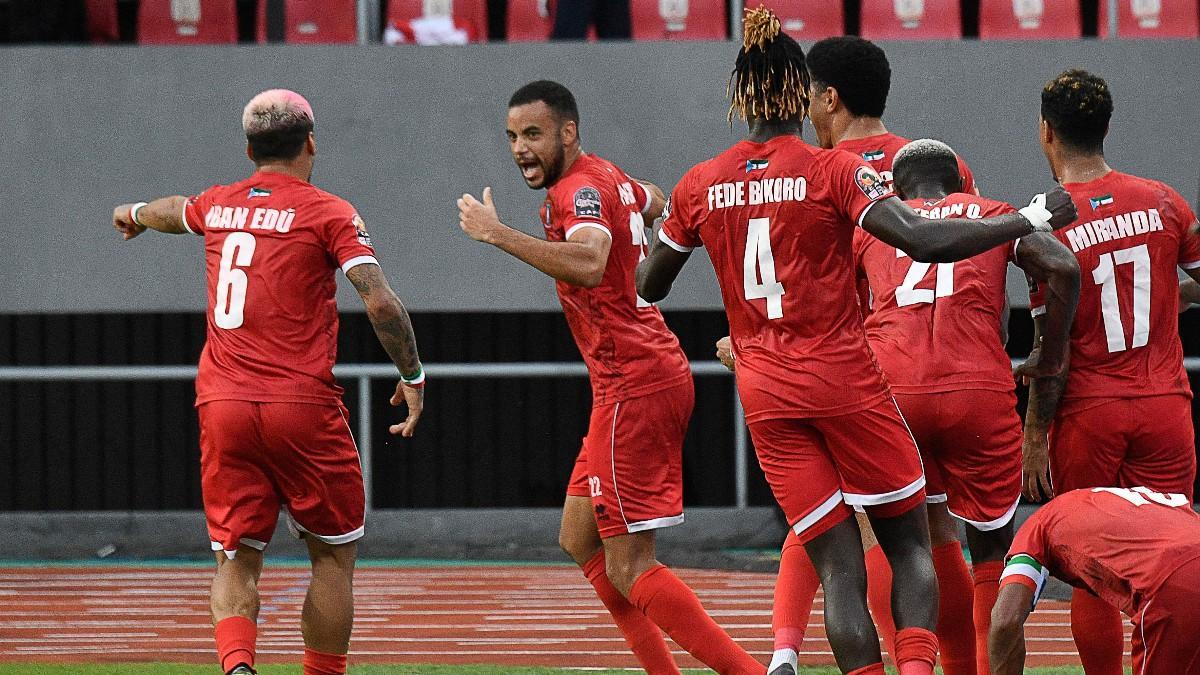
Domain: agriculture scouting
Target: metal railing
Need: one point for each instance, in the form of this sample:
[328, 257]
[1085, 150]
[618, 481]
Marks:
[364, 373]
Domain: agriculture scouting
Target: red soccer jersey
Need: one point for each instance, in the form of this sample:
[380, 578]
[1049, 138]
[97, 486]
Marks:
[628, 349]
[936, 327]
[778, 219]
[1131, 236]
[1119, 543]
[273, 244]
[879, 151]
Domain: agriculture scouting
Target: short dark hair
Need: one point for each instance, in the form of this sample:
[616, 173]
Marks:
[857, 68]
[926, 161]
[280, 143]
[1078, 106]
[556, 97]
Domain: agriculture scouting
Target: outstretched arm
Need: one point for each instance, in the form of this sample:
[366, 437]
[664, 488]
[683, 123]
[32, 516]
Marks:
[580, 261]
[163, 215]
[1006, 639]
[394, 329]
[658, 271]
[925, 240]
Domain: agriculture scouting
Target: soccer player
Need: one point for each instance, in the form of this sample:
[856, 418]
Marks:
[627, 481]
[1135, 548]
[273, 429]
[936, 333]
[1121, 415]
[777, 217]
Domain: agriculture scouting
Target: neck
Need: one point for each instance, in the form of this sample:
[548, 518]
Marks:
[293, 169]
[761, 130]
[848, 128]
[926, 191]
[1076, 167]
[570, 154]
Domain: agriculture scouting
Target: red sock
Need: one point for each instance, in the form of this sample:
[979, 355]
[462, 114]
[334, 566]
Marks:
[1097, 628]
[644, 638]
[873, 669]
[795, 588]
[956, 625]
[987, 587]
[676, 609]
[320, 663]
[879, 596]
[235, 641]
[916, 651]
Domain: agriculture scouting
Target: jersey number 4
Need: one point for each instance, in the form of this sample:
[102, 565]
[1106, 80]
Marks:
[759, 268]
[237, 251]
[1140, 496]
[1105, 276]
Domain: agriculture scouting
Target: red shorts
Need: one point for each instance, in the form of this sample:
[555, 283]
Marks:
[1125, 442]
[1165, 630]
[818, 468]
[970, 443]
[631, 462]
[256, 457]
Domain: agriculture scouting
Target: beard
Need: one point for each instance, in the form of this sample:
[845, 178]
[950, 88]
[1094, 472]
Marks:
[552, 170]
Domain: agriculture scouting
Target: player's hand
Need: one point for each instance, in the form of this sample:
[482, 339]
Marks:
[1037, 366]
[415, 398]
[1061, 207]
[478, 218]
[1035, 468]
[123, 222]
[725, 352]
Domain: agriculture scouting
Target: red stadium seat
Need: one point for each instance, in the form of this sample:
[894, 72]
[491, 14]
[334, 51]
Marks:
[1029, 19]
[679, 19]
[436, 21]
[102, 24]
[530, 20]
[912, 19]
[187, 22]
[314, 21]
[808, 20]
[1153, 19]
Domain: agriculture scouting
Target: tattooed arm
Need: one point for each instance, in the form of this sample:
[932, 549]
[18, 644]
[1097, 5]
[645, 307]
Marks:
[1044, 396]
[394, 330]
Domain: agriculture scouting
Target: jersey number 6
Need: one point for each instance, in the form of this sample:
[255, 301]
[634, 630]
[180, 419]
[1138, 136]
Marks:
[237, 250]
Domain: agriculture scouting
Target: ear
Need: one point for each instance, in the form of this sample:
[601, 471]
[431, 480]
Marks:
[249, 152]
[830, 99]
[311, 144]
[569, 132]
[1045, 131]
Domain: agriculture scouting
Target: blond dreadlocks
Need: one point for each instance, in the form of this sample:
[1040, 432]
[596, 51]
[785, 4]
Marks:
[769, 80]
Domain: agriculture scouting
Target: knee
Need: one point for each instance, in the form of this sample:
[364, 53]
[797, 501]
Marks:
[580, 547]
[623, 571]
[943, 528]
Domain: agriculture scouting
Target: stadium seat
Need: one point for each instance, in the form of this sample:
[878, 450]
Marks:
[911, 19]
[102, 24]
[1029, 19]
[1153, 19]
[187, 22]
[679, 19]
[530, 20]
[314, 21]
[809, 20]
[436, 21]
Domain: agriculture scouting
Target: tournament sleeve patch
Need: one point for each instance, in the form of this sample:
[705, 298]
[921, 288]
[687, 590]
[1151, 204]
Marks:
[870, 182]
[587, 202]
[360, 230]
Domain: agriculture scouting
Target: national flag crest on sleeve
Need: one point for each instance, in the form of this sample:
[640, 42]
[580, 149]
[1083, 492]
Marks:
[873, 155]
[756, 165]
[1102, 200]
[258, 192]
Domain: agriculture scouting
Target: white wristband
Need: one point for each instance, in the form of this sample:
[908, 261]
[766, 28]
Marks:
[1037, 214]
[133, 210]
[417, 379]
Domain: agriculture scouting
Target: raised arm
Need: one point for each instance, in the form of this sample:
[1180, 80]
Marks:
[164, 215]
[1006, 639]
[580, 261]
[394, 329]
[925, 240]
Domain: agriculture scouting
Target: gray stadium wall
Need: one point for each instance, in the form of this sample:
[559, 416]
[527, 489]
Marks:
[404, 131]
